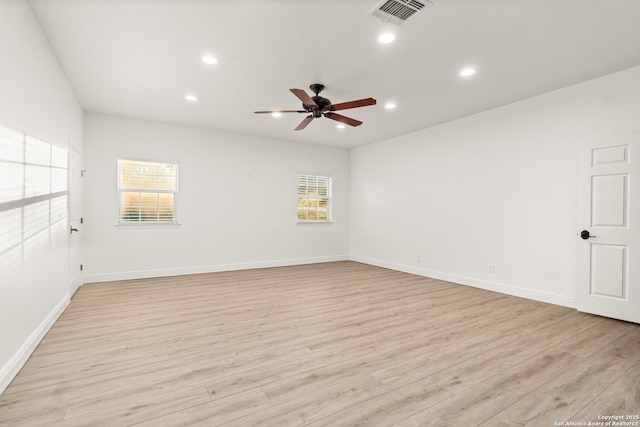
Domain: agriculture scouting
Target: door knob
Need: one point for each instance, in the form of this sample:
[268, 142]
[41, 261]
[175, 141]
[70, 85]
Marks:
[584, 234]
[73, 229]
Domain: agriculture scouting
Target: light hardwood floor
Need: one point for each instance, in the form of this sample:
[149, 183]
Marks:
[337, 344]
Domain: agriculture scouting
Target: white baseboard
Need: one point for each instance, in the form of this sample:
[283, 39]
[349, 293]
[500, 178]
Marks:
[502, 288]
[17, 361]
[180, 271]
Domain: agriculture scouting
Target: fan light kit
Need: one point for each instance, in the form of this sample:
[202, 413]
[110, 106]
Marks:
[322, 107]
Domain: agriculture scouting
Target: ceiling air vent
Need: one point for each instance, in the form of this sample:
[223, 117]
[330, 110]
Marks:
[398, 12]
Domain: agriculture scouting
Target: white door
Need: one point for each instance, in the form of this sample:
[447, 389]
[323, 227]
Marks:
[609, 237]
[75, 219]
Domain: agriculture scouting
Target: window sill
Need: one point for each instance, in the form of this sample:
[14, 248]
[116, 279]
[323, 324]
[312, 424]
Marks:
[314, 223]
[146, 225]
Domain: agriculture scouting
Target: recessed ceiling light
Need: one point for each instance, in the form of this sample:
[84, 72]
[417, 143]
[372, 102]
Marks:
[467, 72]
[276, 114]
[191, 98]
[208, 59]
[386, 38]
[340, 126]
[390, 105]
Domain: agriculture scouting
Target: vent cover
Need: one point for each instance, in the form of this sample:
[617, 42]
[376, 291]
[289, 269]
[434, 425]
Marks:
[398, 12]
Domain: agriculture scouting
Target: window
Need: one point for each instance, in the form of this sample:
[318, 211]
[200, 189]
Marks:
[33, 196]
[148, 192]
[314, 198]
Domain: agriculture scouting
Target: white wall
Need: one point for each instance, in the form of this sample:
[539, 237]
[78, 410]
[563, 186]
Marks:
[497, 188]
[36, 99]
[236, 193]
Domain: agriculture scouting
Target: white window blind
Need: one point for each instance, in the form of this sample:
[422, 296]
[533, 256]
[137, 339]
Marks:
[314, 198]
[33, 196]
[148, 192]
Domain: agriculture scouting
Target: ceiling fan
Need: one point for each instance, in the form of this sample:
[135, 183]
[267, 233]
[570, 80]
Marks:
[319, 106]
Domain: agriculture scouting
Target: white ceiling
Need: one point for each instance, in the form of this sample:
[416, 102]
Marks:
[138, 58]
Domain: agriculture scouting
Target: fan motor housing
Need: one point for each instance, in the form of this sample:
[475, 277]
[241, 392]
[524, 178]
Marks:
[320, 102]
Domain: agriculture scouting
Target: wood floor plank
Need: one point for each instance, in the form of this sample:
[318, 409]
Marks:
[304, 408]
[220, 412]
[335, 344]
[389, 408]
[504, 353]
[474, 405]
[131, 408]
[562, 397]
[622, 397]
[422, 419]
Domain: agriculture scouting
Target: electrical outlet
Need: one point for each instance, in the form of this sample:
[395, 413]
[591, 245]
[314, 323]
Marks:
[491, 268]
[248, 253]
[419, 259]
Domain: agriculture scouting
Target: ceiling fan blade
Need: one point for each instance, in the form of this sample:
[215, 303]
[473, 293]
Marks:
[352, 104]
[343, 119]
[303, 124]
[280, 111]
[302, 95]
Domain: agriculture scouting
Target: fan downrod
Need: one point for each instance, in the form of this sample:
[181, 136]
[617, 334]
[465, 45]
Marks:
[316, 88]
[322, 103]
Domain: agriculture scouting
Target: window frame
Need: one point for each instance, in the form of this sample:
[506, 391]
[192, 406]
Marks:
[140, 223]
[328, 198]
